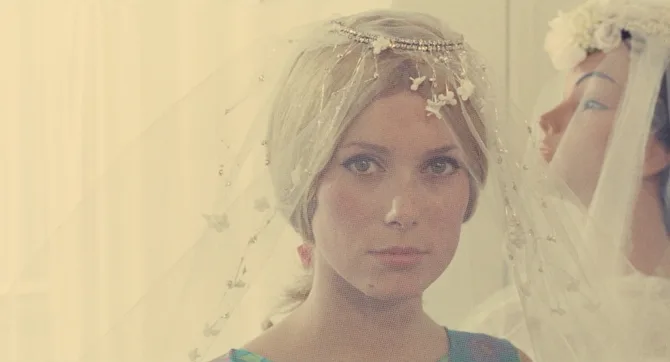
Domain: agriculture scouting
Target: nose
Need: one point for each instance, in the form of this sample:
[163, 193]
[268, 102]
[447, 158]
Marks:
[546, 124]
[403, 214]
[551, 122]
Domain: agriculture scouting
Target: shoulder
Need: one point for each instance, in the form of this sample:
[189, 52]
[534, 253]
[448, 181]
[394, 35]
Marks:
[483, 347]
[268, 346]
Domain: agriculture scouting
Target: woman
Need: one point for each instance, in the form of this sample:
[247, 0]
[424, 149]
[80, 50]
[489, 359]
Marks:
[598, 290]
[394, 172]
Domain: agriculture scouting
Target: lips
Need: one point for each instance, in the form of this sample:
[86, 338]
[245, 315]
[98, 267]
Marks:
[547, 152]
[399, 258]
[398, 250]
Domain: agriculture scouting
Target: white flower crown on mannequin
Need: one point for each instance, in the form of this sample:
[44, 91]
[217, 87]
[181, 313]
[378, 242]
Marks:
[598, 25]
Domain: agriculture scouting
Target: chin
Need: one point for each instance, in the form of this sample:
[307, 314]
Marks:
[394, 290]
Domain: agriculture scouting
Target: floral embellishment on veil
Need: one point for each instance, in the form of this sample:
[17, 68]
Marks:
[466, 90]
[449, 98]
[380, 44]
[416, 82]
[210, 330]
[217, 222]
[434, 105]
[194, 355]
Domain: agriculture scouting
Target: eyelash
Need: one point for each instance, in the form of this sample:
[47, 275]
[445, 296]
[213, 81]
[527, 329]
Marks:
[599, 106]
[448, 161]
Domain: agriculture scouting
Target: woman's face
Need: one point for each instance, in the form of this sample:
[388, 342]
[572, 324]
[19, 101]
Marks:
[577, 130]
[391, 202]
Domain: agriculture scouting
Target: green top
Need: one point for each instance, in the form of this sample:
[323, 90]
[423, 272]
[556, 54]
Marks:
[463, 347]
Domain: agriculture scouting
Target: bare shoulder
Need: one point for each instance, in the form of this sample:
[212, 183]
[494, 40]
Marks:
[265, 344]
[275, 344]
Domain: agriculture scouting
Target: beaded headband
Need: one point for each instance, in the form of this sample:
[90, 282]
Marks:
[399, 43]
[438, 48]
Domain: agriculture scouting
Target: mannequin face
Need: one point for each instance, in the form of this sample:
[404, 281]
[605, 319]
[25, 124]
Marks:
[577, 130]
[397, 180]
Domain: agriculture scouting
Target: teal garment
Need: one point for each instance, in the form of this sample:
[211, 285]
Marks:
[463, 347]
[475, 347]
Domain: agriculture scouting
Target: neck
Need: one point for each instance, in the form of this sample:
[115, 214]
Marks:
[649, 237]
[338, 312]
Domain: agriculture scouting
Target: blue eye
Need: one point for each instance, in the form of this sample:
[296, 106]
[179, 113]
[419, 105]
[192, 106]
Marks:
[594, 105]
[361, 164]
[443, 166]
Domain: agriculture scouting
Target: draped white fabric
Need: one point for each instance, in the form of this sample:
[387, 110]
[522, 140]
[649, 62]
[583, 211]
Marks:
[81, 81]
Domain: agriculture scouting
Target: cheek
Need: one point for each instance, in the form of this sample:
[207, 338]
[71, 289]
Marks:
[596, 146]
[602, 129]
[342, 206]
[447, 210]
[580, 157]
[586, 140]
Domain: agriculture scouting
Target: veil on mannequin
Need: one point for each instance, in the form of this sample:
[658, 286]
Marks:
[591, 275]
[198, 178]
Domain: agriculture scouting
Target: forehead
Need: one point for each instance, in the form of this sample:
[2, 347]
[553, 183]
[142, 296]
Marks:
[400, 119]
[613, 65]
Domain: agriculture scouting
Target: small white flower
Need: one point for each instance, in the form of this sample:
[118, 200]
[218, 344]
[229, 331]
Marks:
[210, 330]
[607, 36]
[449, 98]
[217, 222]
[194, 355]
[416, 82]
[380, 44]
[435, 105]
[466, 89]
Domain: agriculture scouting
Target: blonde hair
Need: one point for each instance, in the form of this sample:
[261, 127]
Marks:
[296, 109]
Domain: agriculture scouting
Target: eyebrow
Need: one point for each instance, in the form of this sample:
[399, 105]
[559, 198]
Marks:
[386, 151]
[594, 74]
